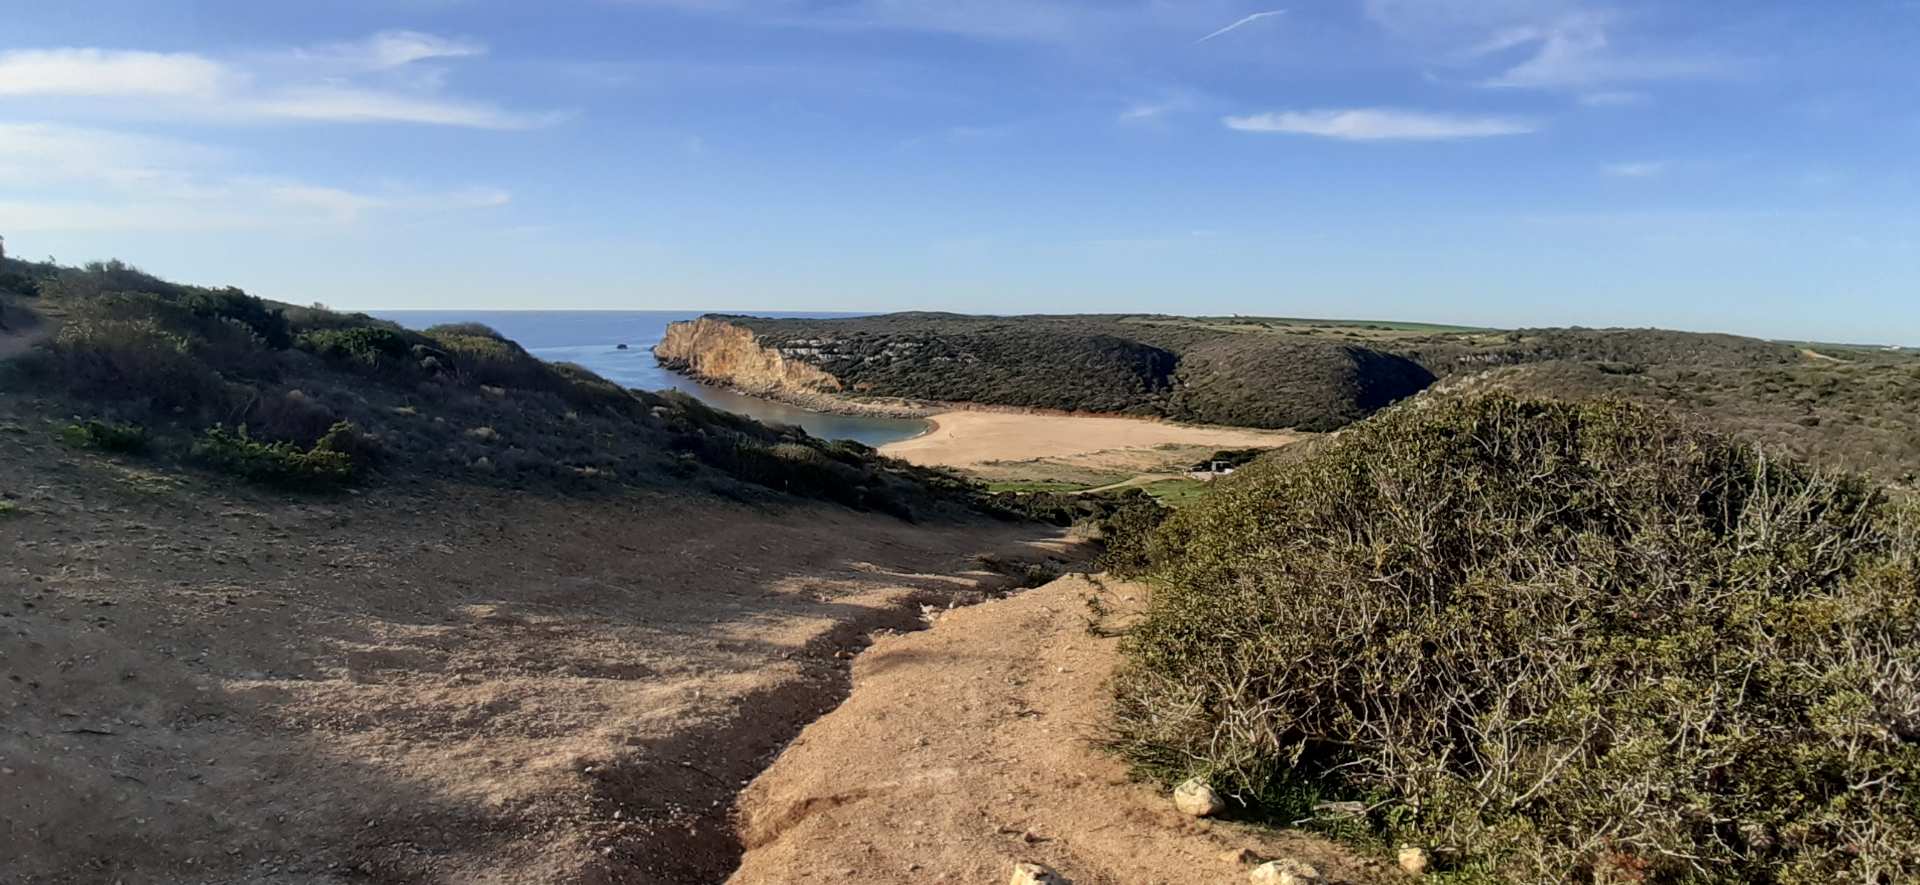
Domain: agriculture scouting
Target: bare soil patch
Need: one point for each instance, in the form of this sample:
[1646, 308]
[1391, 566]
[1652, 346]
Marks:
[420, 683]
[971, 747]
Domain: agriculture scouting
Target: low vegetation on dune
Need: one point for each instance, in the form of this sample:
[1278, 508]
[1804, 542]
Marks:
[1550, 641]
[311, 399]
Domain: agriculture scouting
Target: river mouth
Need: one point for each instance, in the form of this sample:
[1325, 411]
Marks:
[595, 339]
[871, 430]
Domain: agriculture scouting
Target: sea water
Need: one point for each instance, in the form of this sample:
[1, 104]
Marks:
[593, 339]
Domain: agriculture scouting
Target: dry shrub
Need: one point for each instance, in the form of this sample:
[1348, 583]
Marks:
[292, 416]
[134, 359]
[480, 360]
[1562, 642]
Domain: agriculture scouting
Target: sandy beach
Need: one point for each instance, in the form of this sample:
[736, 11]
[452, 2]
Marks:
[967, 439]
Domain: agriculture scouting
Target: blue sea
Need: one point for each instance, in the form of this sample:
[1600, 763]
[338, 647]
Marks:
[593, 338]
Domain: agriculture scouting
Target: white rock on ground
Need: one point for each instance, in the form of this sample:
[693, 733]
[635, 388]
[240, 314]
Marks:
[1195, 798]
[1415, 860]
[1037, 874]
[1285, 872]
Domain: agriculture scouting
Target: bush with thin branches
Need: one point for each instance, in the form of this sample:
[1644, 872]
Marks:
[1555, 641]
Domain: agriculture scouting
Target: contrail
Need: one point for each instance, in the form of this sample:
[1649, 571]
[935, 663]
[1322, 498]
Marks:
[1240, 24]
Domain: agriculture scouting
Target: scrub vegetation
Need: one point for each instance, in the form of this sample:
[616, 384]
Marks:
[1848, 406]
[1552, 641]
[314, 400]
[1102, 364]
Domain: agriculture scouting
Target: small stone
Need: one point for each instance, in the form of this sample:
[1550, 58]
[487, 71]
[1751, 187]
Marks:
[1241, 857]
[1415, 860]
[1195, 799]
[1285, 872]
[1037, 874]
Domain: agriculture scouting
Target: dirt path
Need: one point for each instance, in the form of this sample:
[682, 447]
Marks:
[418, 684]
[965, 749]
[968, 439]
[17, 341]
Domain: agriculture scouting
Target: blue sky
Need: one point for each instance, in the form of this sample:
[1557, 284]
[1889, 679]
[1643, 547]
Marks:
[1737, 166]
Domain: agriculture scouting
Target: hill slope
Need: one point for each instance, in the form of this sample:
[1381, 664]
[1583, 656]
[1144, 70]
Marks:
[1103, 364]
[295, 596]
[1852, 406]
[311, 399]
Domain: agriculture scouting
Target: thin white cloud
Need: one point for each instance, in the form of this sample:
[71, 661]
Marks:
[102, 72]
[39, 154]
[1614, 99]
[1154, 110]
[1258, 16]
[1382, 124]
[1574, 45]
[1577, 54]
[390, 49]
[998, 20]
[349, 105]
[358, 82]
[64, 178]
[1640, 169]
[1146, 111]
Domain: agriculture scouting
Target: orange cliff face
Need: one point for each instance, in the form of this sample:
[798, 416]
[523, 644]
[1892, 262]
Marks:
[723, 353]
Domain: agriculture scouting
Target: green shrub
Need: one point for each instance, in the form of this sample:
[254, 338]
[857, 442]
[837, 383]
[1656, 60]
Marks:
[328, 464]
[367, 346]
[481, 360]
[582, 389]
[268, 322]
[134, 359]
[102, 277]
[1563, 642]
[19, 284]
[464, 330]
[795, 469]
[1126, 531]
[123, 439]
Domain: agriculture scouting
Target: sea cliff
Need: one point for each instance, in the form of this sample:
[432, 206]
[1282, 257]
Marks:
[732, 356]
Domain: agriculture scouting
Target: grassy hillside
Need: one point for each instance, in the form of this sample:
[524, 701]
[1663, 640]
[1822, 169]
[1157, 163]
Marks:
[1855, 407]
[305, 398]
[1145, 366]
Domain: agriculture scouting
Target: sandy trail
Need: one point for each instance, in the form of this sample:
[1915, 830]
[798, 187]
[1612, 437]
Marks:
[417, 684]
[966, 439]
[968, 748]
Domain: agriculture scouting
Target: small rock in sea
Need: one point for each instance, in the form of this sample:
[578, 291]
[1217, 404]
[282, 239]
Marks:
[1241, 857]
[1415, 860]
[1037, 874]
[1285, 872]
[621, 347]
[1196, 799]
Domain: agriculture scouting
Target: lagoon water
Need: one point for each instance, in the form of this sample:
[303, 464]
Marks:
[593, 339]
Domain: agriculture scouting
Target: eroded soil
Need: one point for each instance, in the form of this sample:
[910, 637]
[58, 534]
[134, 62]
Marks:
[205, 683]
[971, 747]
